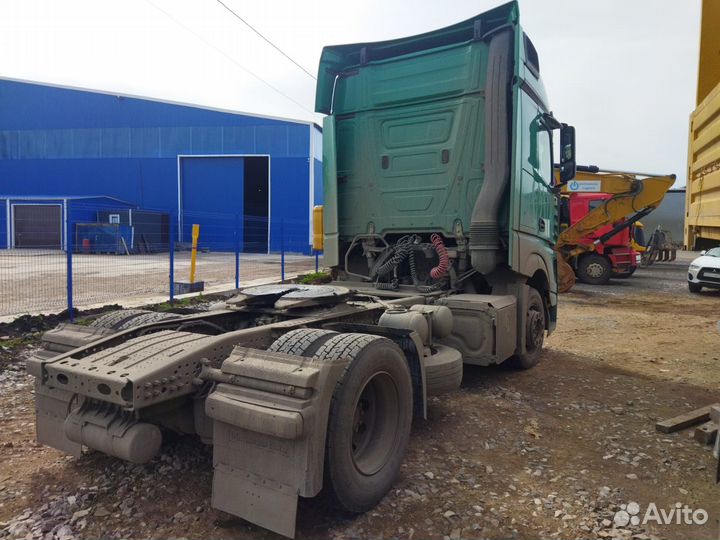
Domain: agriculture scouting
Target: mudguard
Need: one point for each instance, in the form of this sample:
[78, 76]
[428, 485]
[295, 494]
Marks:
[67, 337]
[269, 427]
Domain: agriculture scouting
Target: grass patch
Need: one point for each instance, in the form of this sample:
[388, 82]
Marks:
[179, 303]
[18, 342]
[315, 278]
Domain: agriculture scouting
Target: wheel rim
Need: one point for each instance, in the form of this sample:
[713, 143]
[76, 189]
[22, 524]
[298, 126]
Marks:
[535, 329]
[595, 270]
[375, 422]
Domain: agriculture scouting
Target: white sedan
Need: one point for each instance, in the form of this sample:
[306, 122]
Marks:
[705, 271]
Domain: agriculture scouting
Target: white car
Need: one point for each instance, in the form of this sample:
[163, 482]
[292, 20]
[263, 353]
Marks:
[705, 271]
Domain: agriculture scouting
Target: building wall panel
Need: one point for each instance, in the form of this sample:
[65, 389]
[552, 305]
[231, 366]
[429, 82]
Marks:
[72, 143]
[298, 137]
[289, 204]
[238, 140]
[3, 224]
[281, 141]
[36, 106]
[114, 143]
[148, 183]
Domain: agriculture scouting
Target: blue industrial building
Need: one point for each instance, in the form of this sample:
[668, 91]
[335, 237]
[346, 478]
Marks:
[245, 179]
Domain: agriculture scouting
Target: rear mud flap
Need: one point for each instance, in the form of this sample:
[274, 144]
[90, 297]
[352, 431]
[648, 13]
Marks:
[269, 428]
[269, 504]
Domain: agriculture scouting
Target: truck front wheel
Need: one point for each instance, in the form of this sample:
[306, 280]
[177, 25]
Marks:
[369, 422]
[534, 333]
[594, 269]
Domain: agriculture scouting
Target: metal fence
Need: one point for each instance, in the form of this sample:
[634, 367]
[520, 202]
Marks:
[109, 255]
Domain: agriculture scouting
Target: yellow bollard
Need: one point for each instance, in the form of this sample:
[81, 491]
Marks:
[193, 256]
[317, 224]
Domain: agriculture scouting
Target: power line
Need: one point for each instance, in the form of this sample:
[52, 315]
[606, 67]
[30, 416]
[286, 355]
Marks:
[278, 49]
[226, 55]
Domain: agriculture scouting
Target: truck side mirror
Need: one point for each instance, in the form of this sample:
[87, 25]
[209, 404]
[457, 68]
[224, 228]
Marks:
[567, 153]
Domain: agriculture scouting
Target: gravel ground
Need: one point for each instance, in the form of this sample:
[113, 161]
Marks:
[554, 452]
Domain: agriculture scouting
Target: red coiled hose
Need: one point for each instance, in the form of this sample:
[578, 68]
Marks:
[444, 265]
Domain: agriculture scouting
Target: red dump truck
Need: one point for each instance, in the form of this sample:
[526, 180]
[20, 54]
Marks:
[620, 259]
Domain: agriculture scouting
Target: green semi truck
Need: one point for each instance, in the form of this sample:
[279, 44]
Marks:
[440, 219]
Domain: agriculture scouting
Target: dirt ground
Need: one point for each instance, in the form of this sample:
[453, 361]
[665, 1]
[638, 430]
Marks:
[552, 452]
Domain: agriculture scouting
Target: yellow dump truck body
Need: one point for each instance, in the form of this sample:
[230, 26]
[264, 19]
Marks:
[702, 200]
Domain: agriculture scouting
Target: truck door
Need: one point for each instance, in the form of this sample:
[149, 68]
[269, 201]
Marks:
[538, 214]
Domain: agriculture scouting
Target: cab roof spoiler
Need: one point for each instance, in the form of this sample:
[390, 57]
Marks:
[336, 59]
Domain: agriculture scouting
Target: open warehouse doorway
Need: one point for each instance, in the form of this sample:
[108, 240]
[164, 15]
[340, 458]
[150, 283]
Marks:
[257, 204]
[227, 195]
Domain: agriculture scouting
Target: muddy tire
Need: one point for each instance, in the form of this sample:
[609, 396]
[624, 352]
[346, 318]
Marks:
[302, 342]
[694, 287]
[114, 319]
[594, 269]
[534, 333]
[147, 318]
[443, 371]
[369, 421]
[124, 319]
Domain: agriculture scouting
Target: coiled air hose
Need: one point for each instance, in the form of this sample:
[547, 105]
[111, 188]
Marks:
[404, 248]
[444, 263]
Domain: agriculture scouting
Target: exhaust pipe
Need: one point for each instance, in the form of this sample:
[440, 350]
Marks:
[484, 232]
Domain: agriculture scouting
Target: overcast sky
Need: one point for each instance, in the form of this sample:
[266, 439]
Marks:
[624, 72]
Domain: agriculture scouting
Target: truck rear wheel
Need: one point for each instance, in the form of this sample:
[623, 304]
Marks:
[114, 319]
[534, 333]
[369, 422]
[594, 269]
[302, 342]
[147, 318]
[124, 319]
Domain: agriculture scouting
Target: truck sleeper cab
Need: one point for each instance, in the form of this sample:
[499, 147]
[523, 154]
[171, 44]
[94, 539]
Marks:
[438, 165]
